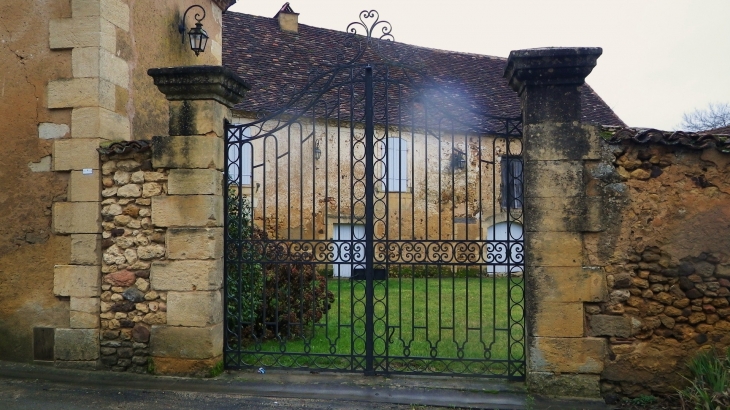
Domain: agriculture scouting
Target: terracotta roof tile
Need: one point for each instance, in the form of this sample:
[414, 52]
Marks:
[271, 60]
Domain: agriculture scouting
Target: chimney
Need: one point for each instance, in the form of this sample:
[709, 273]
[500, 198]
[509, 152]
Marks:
[288, 19]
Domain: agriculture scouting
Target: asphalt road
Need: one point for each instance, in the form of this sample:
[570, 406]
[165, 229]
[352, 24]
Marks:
[38, 394]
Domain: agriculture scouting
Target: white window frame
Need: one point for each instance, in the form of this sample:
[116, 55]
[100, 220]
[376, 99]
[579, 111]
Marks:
[245, 160]
[395, 163]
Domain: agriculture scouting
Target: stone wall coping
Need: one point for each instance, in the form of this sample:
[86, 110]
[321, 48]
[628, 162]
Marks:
[567, 66]
[698, 141]
[200, 82]
[125, 147]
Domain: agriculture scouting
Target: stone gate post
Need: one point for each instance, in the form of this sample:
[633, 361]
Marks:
[559, 208]
[200, 98]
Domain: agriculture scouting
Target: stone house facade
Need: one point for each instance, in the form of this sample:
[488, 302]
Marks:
[75, 78]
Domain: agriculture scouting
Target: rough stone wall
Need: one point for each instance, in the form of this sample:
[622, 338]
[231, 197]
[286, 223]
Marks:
[28, 248]
[666, 256]
[130, 243]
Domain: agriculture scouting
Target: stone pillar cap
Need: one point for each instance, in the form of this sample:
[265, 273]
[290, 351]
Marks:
[567, 66]
[200, 82]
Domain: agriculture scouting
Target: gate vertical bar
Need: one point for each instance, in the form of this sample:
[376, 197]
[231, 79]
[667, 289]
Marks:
[369, 220]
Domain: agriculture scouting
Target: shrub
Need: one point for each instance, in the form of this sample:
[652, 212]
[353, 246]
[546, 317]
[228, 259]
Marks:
[709, 387]
[244, 280]
[295, 295]
[271, 291]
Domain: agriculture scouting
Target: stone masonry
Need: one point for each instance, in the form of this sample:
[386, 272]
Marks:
[666, 261]
[97, 95]
[129, 305]
[560, 208]
[190, 341]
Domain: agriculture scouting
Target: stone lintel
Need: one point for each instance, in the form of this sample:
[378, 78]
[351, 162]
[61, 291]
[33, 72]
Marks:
[200, 82]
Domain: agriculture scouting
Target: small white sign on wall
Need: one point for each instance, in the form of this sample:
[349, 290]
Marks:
[87, 171]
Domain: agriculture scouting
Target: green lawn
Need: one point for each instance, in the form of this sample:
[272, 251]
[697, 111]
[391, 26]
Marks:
[448, 325]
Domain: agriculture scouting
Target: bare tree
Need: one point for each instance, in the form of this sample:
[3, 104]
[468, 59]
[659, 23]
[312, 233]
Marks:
[714, 116]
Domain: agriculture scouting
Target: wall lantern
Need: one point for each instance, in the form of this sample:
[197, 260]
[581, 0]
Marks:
[198, 36]
[317, 151]
[458, 159]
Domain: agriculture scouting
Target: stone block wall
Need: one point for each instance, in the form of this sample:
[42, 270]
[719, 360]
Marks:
[666, 258]
[129, 305]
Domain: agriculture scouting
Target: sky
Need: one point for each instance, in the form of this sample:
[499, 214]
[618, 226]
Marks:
[661, 58]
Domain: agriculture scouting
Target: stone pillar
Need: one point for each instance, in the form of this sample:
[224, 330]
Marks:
[200, 98]
[559, 208]
[97, 96]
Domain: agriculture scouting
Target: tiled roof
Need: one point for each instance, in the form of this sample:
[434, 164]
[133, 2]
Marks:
[271, 60]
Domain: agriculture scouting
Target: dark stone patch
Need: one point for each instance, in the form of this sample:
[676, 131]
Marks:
[109, 360]
[686, 268]
[144, 274]
[685, 283]
[123, 306]
[694, 294]
[140, 334]
[146, 165]
[110, 334]
[125, 352]
[133, 295]
[126, 323]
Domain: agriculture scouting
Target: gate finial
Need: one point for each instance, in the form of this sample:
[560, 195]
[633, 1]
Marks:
[366, 17]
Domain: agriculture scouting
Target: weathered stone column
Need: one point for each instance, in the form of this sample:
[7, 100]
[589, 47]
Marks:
[192, 212]
[558, 210]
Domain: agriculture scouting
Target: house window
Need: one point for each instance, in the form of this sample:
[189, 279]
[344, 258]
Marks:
[240, 160]
[512, 182]
[396, 162]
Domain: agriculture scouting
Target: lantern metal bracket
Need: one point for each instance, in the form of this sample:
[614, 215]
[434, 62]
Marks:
[181, 28]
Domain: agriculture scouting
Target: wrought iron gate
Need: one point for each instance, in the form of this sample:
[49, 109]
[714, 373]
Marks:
[373, 224]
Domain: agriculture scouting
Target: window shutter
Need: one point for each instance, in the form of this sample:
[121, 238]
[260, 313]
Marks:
[397, 165]
[246, 158]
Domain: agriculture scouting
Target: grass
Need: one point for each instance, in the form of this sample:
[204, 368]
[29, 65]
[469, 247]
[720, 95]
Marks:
[710, 383]
[447, 325]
